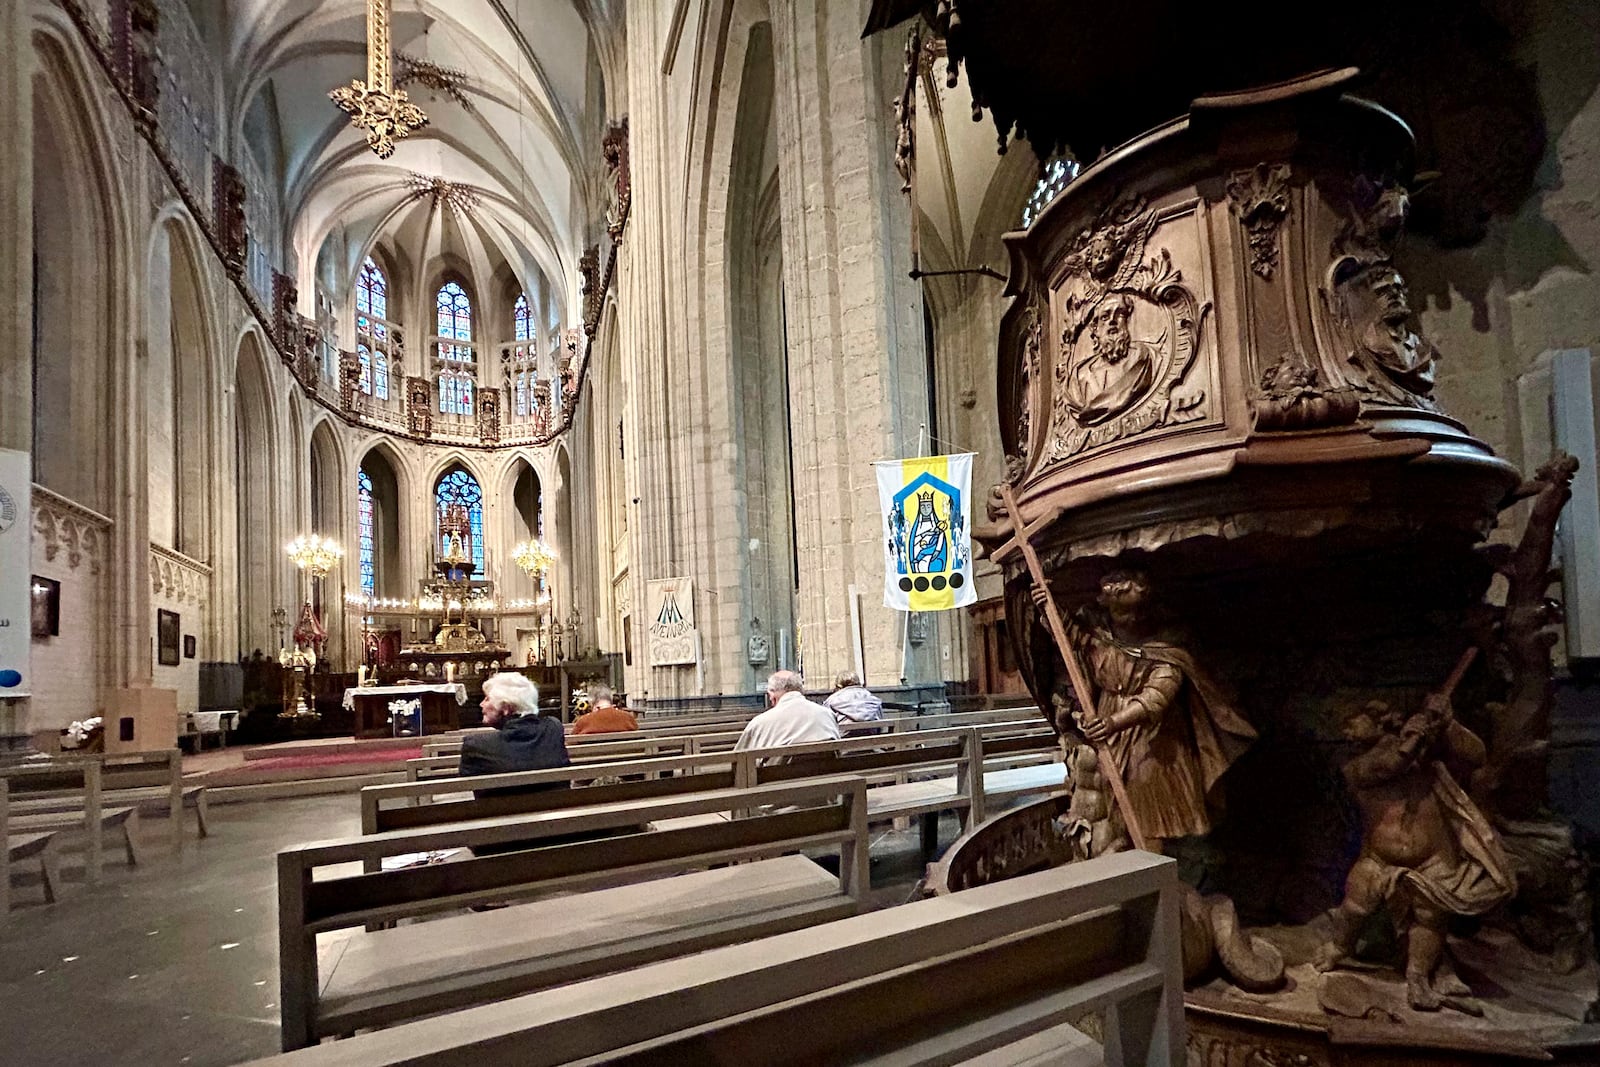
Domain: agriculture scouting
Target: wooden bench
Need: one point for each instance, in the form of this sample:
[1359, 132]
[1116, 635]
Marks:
[990, 976]
[82, 778]
[149, 781]
[122, 821]
[153, 800]
[21, 847]
[446, 765]
[385, 976]
[945, 758]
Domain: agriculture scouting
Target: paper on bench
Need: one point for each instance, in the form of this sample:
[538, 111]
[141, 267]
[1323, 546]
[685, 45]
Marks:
[421, 859]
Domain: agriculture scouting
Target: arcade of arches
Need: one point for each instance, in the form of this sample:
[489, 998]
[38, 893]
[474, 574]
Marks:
[641, 288]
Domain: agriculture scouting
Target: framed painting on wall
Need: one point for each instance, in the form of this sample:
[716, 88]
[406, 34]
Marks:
[167, 634]
[45, 608]
[188, 646]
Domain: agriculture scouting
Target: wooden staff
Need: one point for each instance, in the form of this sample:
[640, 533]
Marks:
[1448, 689]
[1080, 682]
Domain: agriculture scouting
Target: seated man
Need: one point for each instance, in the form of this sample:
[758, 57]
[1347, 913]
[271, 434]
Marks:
[523, 739]
[791, 719]
[853, 702]
[604, 717]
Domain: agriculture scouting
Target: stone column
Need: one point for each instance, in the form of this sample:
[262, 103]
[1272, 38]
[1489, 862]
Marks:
[857, 367]
[16, 262]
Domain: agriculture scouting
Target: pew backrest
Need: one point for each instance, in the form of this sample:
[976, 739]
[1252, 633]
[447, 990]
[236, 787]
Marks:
[892, 986]
[395, 807]
[958, 751]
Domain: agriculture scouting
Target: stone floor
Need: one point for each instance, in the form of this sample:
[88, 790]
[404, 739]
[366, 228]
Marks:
[177, 962]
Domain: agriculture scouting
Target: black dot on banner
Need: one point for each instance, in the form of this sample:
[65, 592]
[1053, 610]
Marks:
[905, 585]
[922, 585]
[938, 582]
[957, 581]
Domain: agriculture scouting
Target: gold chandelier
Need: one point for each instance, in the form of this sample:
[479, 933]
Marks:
[314, 553]
[534, 556]
[376, 105]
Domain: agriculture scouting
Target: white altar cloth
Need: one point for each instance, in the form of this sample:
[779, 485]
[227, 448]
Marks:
[457, 688]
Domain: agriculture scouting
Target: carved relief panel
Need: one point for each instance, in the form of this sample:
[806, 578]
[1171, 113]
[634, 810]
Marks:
[419, 405]
[1372, 328]
[489, 416]
[349, 380]
[1129, 326]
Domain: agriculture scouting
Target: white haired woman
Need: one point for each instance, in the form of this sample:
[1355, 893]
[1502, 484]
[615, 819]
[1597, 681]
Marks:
[523, 740]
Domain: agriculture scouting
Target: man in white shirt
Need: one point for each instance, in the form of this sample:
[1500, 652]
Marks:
[791, 719]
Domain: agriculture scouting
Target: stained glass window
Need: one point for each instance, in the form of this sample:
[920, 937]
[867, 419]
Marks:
[369, 573]
[455, 393]
[459, 487]
[523, 319]
[372, 291]
[1057, 175]
[455, 323]
[373, 332]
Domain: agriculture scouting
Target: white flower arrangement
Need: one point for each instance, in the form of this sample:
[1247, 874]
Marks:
[407, 711]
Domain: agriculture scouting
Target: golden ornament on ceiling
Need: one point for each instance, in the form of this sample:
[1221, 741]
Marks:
[376, 106]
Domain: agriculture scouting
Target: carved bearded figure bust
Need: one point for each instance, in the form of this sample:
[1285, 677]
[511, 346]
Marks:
[1118, 369]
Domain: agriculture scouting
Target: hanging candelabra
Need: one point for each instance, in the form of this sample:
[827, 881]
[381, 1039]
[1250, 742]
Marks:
[535, 558]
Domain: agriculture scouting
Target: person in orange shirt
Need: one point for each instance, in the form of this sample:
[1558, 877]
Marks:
[604, 717]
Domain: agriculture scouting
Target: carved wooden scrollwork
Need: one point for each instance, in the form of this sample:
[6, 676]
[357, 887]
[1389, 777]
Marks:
[1259, 197]
[1293, 397]
[1028, 379]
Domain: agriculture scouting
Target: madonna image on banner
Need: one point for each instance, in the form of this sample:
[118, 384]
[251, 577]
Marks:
[927, 532]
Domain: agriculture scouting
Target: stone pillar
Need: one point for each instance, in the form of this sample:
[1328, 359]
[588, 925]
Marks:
[16, 229]
[16, 267]
[857, 367]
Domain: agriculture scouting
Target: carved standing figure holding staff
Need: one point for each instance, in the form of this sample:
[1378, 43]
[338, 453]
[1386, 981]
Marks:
[1166, 724]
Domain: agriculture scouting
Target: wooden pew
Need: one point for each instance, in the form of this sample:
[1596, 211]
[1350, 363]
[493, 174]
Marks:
[389, 975]
[152, 782]
[989, 976]
[25, 846]
[81, 776]
[687, 726]
[946, 760]
[445, 765]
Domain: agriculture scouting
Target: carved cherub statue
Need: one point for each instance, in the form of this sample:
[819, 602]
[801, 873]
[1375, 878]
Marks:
[1427, 852]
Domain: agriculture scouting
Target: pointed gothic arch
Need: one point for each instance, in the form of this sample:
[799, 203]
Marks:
[261, 583]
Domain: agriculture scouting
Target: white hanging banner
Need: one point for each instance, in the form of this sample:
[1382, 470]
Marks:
[16, 568]
[671, 637]
[927, 532]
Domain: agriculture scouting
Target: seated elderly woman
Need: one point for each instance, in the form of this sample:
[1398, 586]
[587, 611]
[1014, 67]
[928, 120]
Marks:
[853, 702]
[523, 740]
